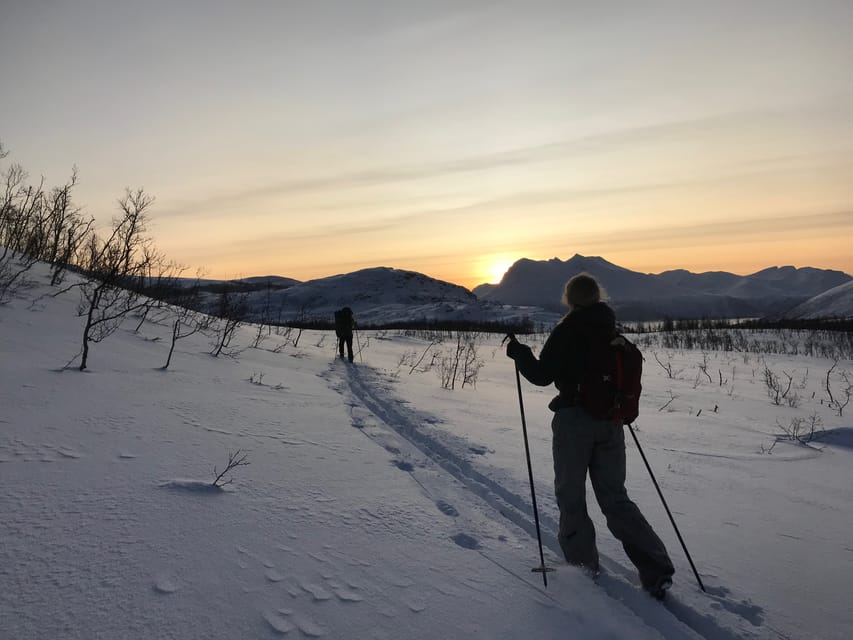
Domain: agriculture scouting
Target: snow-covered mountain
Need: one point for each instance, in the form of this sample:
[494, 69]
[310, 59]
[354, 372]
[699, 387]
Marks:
[835, 303]
[677, 293]
[531, 290]
[381, 296]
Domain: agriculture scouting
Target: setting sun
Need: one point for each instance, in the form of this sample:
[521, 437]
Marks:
[493, 267]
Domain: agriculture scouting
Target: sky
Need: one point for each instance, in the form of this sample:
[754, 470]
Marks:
[451, 138]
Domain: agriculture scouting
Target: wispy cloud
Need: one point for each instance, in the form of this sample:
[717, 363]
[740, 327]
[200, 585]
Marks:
[734, 231]
[334, 189]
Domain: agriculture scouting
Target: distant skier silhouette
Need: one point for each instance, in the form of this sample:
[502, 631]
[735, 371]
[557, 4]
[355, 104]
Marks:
[344, 323]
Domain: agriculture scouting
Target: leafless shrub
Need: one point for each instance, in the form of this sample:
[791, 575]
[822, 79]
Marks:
[746, 340]
[666, 366]
[840, 402]
[162, 286]
[416, 363]
[186, 320]
[284, 334]
[704, 367]
[231, 310]
[263, 329]
[672, 398]
[460, 363]
[697, 379]
[235, 459]
[776, 389]
[799, 429]
[769, 450]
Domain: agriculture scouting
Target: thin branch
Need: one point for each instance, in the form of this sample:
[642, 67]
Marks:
[235, 459]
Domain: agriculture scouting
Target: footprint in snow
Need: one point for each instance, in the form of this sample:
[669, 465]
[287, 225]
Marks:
[165, 584]
[447, 508]
[465, 541]
[278, 622]
[274, 576]
[347, 595]
[318, 592]
[308, 627]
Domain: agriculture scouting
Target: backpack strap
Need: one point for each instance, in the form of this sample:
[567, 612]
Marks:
[618, 343]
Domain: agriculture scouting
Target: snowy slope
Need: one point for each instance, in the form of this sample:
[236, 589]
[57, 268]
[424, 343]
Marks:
[835, 303]
[382, 295]
[379, 505]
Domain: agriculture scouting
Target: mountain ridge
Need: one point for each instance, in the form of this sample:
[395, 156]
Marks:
[532, 289]
[676, 293]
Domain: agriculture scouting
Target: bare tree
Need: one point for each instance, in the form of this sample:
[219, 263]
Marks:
[65, 228]
[114, 269]
[231, 310]
[21, 228]
[264, 325]
[161, 285]
[187, 321]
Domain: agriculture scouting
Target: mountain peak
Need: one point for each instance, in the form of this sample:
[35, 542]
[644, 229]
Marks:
[676, 293]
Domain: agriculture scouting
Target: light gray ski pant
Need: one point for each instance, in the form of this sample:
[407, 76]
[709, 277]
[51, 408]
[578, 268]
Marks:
[584, 443]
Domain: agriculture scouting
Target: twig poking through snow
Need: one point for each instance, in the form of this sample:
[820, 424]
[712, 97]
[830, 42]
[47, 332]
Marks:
[235, 459]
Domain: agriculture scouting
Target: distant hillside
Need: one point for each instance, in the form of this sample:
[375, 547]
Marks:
[380, 296]
[254, 283]
[835, 303]
[531, 290]
[679, 293]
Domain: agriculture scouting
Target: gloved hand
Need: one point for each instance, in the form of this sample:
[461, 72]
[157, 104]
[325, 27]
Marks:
[514, 349]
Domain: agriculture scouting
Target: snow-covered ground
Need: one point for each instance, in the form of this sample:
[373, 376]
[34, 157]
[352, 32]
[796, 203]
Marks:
[378, 504]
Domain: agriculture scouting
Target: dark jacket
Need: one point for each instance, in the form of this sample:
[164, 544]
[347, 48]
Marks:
[344, 322]
[563, 358]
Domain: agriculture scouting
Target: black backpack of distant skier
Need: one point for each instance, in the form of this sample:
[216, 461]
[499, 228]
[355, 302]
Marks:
[343, 321]
[611, 384]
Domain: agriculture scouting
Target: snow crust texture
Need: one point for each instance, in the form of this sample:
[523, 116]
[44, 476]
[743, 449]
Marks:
[378, 504]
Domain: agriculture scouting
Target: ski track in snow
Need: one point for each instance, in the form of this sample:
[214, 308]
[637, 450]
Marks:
[725, 619]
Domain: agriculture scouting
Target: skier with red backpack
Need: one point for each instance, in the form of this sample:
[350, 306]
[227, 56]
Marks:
[597, 374]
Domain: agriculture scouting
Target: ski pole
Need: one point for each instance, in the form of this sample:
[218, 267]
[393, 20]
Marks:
[541, 568]
[666, 506]
[358, 343]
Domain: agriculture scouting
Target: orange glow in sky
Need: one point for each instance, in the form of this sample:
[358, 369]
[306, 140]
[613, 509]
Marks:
[445, 138]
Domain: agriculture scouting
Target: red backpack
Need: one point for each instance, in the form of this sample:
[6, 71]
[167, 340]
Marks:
[611, 384]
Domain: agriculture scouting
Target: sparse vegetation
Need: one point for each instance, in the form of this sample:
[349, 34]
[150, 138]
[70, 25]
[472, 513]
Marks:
[235, 459]
[800, 429]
